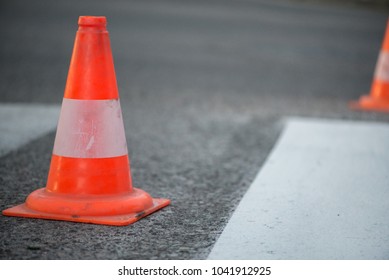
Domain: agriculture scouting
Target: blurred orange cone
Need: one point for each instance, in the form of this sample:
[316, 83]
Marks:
[378, 100]
[89, 179]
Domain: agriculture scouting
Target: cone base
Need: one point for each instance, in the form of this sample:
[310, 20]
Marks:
[24, 211]
[367, 103]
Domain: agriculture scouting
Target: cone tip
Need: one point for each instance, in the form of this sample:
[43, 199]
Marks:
[92, 21]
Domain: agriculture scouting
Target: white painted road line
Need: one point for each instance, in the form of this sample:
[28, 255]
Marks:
[22, 123]
[323, 193]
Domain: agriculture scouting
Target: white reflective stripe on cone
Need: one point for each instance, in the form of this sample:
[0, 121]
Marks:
[90, 129]
[382, 68]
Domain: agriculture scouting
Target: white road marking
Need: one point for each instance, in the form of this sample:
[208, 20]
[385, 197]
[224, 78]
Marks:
[22, 123]
[323, 193]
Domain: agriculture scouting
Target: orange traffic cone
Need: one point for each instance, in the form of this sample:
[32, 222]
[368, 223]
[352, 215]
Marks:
[89, 179]
[378, 100]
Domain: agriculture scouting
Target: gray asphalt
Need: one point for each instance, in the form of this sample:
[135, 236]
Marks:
[204, 86]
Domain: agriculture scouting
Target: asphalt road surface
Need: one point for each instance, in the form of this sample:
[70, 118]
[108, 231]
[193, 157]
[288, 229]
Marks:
[204, 88]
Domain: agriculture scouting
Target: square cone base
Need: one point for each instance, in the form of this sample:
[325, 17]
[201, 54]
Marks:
[367, 103]
[116, 220]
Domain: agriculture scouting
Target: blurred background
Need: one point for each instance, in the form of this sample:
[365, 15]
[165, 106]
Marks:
[218, 48]
[204, 87]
